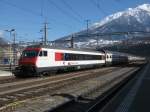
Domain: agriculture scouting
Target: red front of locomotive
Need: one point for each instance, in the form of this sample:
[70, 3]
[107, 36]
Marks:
[29, 56]
[27, 62]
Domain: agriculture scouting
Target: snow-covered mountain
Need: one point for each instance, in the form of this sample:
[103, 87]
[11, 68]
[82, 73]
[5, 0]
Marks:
[140, 15]
[132, 19]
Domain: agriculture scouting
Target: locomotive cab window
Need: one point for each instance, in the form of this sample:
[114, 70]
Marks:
[43, 53]
[29, 53]
[40, 54]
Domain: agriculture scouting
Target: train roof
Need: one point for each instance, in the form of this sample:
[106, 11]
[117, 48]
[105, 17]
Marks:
[120, 53]
[116, 53]
[74, 49]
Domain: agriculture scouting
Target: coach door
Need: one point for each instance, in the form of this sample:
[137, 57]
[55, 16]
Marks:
[43, 55]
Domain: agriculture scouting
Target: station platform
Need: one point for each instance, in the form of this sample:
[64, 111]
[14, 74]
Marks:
[5, 73]
[135, 96]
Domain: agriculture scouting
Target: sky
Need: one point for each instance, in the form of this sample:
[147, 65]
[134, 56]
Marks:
[64, 17]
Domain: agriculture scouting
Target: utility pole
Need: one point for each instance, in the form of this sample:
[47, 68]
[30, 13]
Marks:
[97, 41]
[14, 48]
[72, 41]
[45, 33]
[87, 25]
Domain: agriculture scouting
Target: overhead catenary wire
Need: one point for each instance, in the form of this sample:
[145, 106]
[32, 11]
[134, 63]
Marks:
[39, 14]
[97, 4]
[51, 2]
[117, 0]
[35, 13]
[21, 8]
[42, 7]
[71, 9]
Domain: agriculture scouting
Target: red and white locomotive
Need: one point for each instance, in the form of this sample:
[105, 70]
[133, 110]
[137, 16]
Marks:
[38, 59]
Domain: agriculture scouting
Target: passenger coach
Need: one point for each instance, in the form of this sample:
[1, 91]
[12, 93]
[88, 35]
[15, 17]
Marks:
[40, 60]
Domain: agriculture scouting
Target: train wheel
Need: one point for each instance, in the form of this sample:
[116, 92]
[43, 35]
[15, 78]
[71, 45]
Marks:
[39, 75]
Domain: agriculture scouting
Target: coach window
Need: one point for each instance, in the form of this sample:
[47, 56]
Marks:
[103, 58]
[66, 56]
[45, 53]
[107, 56]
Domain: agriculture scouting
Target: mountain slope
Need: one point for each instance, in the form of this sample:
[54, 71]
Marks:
[132, 19]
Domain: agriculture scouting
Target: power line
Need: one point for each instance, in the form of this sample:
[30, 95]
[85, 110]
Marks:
[41, 14]
[64, 24]
[63, 11]
[97, 4]
[43, 3]
[42, 7]
[70, 8]
[87, 25]
[117, 0]
[45, 33]
[21, 8]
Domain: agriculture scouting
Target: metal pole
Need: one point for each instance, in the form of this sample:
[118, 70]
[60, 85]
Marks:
[14, 48]
[97, 41]
[72, 41]
[10, 44]
[87, 25]
[10, 52]
[45, 33]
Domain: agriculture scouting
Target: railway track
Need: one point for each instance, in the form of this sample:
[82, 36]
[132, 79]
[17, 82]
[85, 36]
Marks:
[8, 87]
[56, 86]
[101, 104]
[21, 90]
[78, 89]
[96, 99]
[11, 79]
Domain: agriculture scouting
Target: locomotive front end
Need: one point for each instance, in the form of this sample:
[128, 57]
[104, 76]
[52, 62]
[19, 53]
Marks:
[27, 63]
